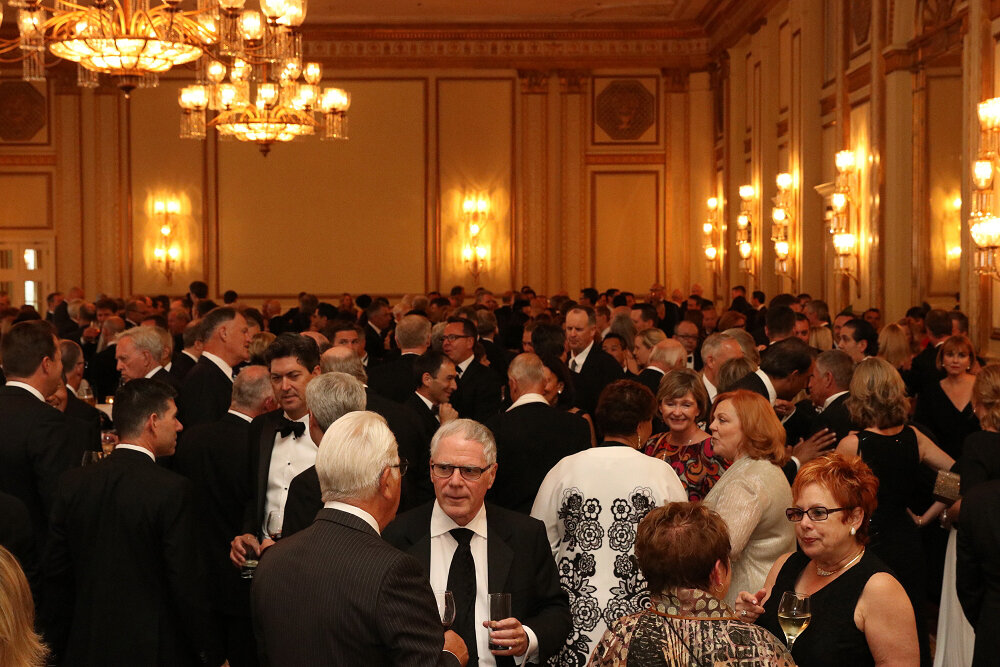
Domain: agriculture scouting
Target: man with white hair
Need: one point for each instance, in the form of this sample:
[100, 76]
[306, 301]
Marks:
[717, 349]
[336, 593]
[458, 539]
[664, 357]
[139, 352]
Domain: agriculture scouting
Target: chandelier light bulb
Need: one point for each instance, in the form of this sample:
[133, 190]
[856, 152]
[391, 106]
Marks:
[989, 113]
[982, 174]
[294, 14]
[312, 73]
[232, 5]
[986, 232]
[252, 25]
[784, 181]
[215, 72]
[272, 9]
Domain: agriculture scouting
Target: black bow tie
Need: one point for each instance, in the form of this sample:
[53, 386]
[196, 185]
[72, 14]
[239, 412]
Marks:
[288, 427]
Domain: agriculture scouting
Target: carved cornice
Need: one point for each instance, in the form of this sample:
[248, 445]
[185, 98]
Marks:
[731, 19]
[573, 82]
[533, 81]
[509, 47]
[635, 158]
[676, 81]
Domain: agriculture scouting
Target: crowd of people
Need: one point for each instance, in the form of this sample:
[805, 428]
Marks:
[495, 480]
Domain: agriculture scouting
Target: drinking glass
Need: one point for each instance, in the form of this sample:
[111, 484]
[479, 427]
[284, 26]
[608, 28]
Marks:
[499, 610]
[274, 521]
[86, 394]
[793, 615]
[446, 607]
[250, 562]
[108, 441]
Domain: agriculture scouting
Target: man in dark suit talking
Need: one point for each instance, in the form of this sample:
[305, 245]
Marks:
[336, 593]
[473, 549]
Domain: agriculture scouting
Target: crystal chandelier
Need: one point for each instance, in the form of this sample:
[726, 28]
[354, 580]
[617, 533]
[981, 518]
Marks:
[121, 38]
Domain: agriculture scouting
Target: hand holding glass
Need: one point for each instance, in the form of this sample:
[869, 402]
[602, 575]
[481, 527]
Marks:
[499, 610]
[794, 615]
[446, 607]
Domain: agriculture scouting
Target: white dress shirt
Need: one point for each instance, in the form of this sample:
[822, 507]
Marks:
[223, 366]
[772, 394]
[443, 547]
[153, 372]
[464, 366]
[580, 359]
[289, 457]
[830, 400]
[712, 390]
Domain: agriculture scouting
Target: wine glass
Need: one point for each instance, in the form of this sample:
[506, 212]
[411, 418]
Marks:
[86, 394]
[446, 607]
[274, 521]
[794, 615]
[108, 441]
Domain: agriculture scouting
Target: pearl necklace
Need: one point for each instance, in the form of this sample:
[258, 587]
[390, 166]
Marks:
[826, 573]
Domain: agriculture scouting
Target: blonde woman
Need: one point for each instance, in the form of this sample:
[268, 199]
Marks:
[894, 346]
[20, 645]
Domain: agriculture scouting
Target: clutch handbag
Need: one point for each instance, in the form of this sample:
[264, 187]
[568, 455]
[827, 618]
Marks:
[946, 486]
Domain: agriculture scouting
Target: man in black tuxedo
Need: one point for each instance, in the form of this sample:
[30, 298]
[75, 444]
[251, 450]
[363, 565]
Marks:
[187, 356]
[102, 372]
[687, 334]
[18, 537]
[281, 445]
[716, 350]
[37, 442]
[593, 368]
[139, 351]
[123, 552]
[663, 357]
[828, 391]
[394, 379]
[379, 319]
[434, 375]
[531, 436]
[95, 420]
[216, 458]
[457, 536]
[479, 389]
[208, 387]
[923, 368]
[498, 356]
[336, 593]
[978, 568]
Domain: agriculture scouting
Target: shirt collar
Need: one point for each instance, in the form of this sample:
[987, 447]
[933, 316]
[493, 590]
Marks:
[154, 371]
[356, 511]
[71, 390]
[28, 388]
[427, 401]
[189, 354]
[772, 395]
[581, 358]
[377, 330]
[831, 399]
[240, 415]
[464, 366]
[223, 366]
[525, 399]
[441, 523]
[136, 448]
[713, 391]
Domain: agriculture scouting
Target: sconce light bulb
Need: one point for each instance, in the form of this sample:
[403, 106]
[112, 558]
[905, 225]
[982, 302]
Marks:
[844, 161]
[784, 181]
[711, 252]
[957, 203]
[781, 250]
[159, 253]
[466, 253]
[708, 228]
[480, 252]
[165, 230]
[468, 205]
[742, 220]
[745, 249]
[843, 243]
[746, 192]
[474, 229]
[778, 214]
[713, 203]
[839, 201]
[483, 205]
[174, 252]
[159, 206]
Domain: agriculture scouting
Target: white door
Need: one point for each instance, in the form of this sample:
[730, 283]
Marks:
[27, 269]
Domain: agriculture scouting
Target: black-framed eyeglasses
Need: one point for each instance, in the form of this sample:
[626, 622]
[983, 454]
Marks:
[469, 473]
[451, 338]
[403, 466]
[815, 513]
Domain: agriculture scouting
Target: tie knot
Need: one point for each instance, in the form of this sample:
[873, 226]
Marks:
[289, 427]
[462, 535]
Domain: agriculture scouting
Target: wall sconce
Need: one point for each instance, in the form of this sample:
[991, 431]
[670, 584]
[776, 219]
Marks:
[166, 250]
[984, 226]
[744, 229]
[475, 215]
[781, 219]
[710, 228]
[845, 242]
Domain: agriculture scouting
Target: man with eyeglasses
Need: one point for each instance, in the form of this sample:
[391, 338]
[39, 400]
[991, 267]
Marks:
[473, 549]
[337, 594]
[478, 395]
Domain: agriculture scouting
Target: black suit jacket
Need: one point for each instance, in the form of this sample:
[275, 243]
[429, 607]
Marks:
[394, 379]
[375, 344]
[426, 417]
[479, 393]
[37, 444]
[499, 357]
[102, 373]
[206, 394]
[651, 378]
[531, 439]
[599, 370]
[923, 370]
[181, 365]
[91, 420]
[168, 378]
[414, 446]
[836, 418]
[978, 568]
[17, 535]
[752, 382]
[216, 458]
[337, 595]
[261, 443]
[519, 562]
[123, 554]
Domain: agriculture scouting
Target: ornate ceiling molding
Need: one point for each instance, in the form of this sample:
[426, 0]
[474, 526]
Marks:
[508, 47]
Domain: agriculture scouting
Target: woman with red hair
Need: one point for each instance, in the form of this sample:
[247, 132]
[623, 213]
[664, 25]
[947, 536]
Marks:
[860, 614]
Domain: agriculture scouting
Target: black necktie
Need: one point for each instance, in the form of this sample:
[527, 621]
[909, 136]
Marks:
[462, 584]
[289, 427]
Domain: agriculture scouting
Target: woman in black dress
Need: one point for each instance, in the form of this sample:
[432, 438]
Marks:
[894, 452]
[860, 614]
[945, 407]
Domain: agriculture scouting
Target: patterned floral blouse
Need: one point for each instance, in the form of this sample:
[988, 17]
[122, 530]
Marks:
[688, 628]
[696, 464]
[591, 503]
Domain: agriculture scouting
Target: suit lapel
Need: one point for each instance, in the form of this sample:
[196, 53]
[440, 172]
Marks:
[267, 432]
[499, 555]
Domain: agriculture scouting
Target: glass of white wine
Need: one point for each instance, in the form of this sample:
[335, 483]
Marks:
[794, 615]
